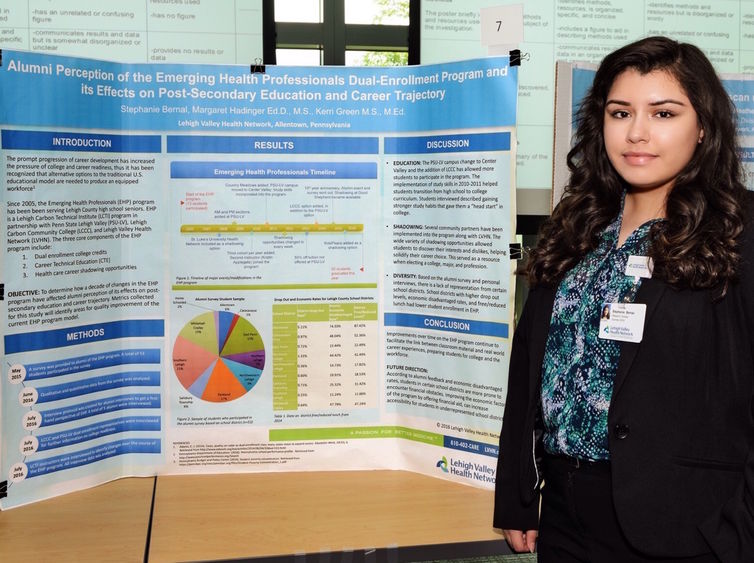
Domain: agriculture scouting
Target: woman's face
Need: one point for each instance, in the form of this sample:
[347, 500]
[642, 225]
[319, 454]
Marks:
[651, 129]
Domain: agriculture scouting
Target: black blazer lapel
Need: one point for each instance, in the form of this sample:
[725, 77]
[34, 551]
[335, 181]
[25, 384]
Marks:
[540, 331]
[649, 293]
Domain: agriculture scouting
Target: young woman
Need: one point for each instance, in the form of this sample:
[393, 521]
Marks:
[643, 422]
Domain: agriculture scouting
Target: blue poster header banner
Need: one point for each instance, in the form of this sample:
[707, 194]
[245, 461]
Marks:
[447, 324]
[57, 338]
[448, 143]
[92, 94]
[272, 145]
[91, 142]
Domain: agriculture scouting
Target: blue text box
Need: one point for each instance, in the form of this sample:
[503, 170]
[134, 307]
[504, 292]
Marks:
[92, 455]
[299, 170]
[101, 406]
[78, 364]
[464, 445]
[96, 384]
[94, 431]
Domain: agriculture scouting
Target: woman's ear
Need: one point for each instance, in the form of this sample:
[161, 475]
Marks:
[701, 136]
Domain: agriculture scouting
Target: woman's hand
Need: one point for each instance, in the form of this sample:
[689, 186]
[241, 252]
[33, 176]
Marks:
[521, 541]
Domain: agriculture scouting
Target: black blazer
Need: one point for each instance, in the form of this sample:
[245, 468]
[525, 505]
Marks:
[681, 420]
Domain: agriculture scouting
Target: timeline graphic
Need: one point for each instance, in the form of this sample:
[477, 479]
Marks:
[218, 356]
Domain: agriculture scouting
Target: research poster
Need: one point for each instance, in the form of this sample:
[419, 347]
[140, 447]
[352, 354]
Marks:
[209, 269]
[575, 79]
[741, 90]
[580, 30]
[195, 31]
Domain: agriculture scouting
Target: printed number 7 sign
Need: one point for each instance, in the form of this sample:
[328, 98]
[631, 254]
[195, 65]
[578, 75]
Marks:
[502, 25]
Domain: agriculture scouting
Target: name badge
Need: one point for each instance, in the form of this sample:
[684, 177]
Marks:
[639, 266]
[622, 321]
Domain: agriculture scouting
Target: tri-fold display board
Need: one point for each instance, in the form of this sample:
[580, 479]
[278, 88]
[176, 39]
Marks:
[211, 269]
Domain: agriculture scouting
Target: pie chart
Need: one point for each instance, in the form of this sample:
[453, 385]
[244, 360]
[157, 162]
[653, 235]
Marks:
[218, 356]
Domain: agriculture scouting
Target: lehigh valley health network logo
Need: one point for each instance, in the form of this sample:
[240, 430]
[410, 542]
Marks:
[467, 469]
[443, 464]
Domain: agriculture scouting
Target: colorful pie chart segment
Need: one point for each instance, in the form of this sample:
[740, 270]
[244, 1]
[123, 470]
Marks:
[218, 356]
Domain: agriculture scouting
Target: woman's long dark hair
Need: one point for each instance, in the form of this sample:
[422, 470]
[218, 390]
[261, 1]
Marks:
[696, 246]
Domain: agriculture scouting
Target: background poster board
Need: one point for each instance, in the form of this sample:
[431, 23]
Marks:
[213, 270]
[200, 31]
